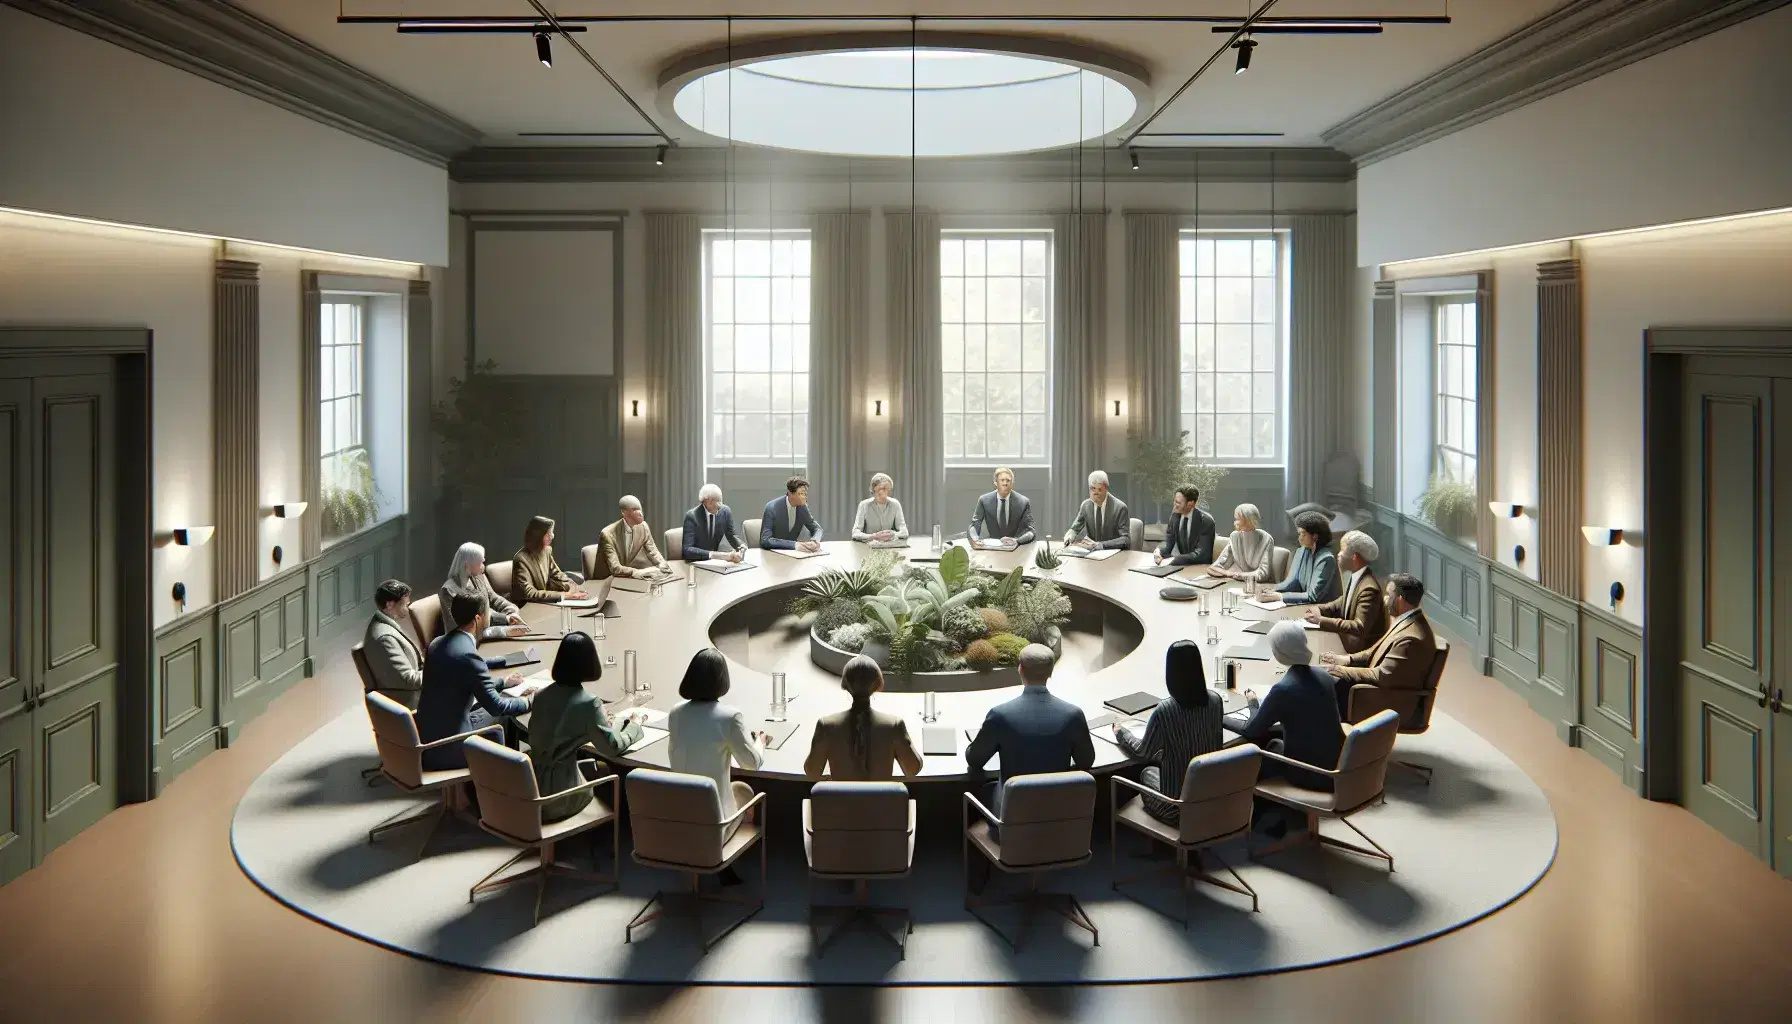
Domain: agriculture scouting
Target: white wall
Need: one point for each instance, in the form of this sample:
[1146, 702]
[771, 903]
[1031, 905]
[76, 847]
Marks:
[92, 130]
[1701, 130]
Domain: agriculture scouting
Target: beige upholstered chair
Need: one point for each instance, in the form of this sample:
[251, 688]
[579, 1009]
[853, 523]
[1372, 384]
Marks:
[1215, 807]
[359, 657]
[500, 575]
[401, 763]
[588, 561]
[1279, 561]
[677, 823]
[859, 831]
[673, 544]
[749, 531]
[1358, 781]
[1413, 706]
[510, 808]
[1135, 535]
[1220, 543]
[426, 618]
[1046, 825]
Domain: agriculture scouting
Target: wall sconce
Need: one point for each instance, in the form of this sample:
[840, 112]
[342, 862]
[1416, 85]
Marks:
[1603, 536]
[193, 536]
[1617, 593]
[634, 408]
[877, 407]
[290, 509]
[278, 554]
[1518, 554]
[180, 595]
[1506, 509]
[1116, 407]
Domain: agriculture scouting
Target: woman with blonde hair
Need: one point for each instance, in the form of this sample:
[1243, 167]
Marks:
[1249, 551]
[466, 575]
[879, 517]
[860, 744]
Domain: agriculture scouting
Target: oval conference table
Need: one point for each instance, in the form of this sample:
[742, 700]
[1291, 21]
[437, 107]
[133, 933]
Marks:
[667, 628]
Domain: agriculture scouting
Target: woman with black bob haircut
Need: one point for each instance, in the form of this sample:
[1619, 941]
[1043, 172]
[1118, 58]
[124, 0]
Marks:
[709, 737]
[564, 718]
[1313, 576]
[1183, 726]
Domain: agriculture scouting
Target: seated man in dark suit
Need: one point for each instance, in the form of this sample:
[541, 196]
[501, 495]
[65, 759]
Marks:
[1401, 659]
[1297, 718]
[709, 526]
[1003, 514]
[1034, 733]
[1103, 522]
[1189, 538]
[459, 693]
[786, 519]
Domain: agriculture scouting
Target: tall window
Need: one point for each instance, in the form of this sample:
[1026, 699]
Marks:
[1454, 332]
[756, 318]
[1233, 297]
[343, 324]
[996, 346]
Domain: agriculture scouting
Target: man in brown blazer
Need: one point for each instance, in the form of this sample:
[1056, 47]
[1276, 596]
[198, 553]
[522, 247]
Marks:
[626, 546]
[1358, 616]
[1401, 659]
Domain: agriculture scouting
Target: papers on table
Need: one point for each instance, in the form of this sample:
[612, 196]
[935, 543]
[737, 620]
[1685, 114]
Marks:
[723, 566]
[527, 656]
[780, 731]
[1308, 625]
[991, 544]
[1269, 606]
[649, 736]
[526, 687]
[798, 552]
[1207, 582]
[939, 739]
[1159, 571]
[1097, 555]
[579, 602]
[887, 543]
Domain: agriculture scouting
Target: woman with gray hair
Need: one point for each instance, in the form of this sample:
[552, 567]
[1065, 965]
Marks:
[1304, 703]
[1249, 551]
[466, 575]
[879, 518]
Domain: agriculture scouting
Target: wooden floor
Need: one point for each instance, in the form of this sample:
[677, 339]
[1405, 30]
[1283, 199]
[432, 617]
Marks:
[1647, 915]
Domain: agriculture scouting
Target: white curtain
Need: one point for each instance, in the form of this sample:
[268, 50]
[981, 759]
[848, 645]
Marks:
[839, 319]
[1079, 322]
[1153, 288]
[1319, 356]
[916, 429]
[674, 365]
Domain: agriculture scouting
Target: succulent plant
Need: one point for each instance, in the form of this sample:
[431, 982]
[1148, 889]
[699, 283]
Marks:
[1045, 559]
[1008, 647]
[995, 620]
[982, 655]
[850, 637]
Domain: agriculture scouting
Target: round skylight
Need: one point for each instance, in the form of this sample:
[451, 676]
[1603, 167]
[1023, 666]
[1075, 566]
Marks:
[932, 100]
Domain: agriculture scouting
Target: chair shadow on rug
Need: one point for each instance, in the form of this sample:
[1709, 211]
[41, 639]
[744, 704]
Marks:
[334, 783]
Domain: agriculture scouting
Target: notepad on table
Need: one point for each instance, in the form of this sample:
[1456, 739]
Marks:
[798, 553]
[1260, 627]
[780, 731]
[1207, 582]
[991, 544]
[1102, 721]
[1269, 606]
[526, 656]
[1159, 571]
[649, 735]
[887, 543]
[579, 602]
[1133, 703]
[1093, 555]
[938, 739]
[1258, 651]
[723, 566]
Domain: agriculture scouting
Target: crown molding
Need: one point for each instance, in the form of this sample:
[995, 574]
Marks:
[719, 164]
[227, 45]
[1580, 41]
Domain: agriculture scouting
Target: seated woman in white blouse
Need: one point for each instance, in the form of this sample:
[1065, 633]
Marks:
[880, 516]
[1249, 551]
[708, 737]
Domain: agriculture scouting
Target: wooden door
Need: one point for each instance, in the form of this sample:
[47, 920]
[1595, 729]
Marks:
[16, 789]
[74, 599]
[1780, 725]
[1727, 603]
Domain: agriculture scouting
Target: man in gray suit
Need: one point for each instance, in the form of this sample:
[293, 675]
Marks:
[1103, 521]
[394, 654]
[1189, 538]
[1034, 733]
[1002, 514]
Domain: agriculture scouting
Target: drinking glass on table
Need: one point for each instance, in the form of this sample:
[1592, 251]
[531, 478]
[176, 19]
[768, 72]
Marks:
[930, 709]
[631, 682]
[597, 628]
[1213, 634]
[778, 698]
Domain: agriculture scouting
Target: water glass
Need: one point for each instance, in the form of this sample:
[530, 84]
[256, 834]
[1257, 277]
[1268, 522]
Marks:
[565, 619]
[1206, 604]
[1213, 634]
[930, 709]
[779, 698]
[939, 539]
[597, 628]
[690, 574]
[631, 683]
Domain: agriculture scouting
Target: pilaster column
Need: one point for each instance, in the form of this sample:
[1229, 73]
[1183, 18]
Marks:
[236, 424]
[1559, 427]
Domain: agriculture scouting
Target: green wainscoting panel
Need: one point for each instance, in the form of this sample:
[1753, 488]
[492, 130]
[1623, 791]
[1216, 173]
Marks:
[1611, 696]
[1454, 578]
[1534, 646]
[346, 574]
[260, 657]
[185, 693]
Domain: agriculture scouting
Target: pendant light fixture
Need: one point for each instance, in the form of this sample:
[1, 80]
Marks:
[544, 50]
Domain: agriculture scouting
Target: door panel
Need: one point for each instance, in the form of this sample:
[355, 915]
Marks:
[16, 812]
[1780, 779]
[15, 539]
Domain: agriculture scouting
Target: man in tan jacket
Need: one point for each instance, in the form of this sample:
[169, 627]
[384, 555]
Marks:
[626, 546]
[1358, 616]
[1401, 659]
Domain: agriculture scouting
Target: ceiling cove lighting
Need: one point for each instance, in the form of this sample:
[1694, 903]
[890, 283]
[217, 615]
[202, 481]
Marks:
[411, 268]
[1244, 47]
[544, 50]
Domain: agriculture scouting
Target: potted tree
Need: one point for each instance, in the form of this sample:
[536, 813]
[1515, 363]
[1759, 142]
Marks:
[1158, 466]
[471, 437]
[1449, 505]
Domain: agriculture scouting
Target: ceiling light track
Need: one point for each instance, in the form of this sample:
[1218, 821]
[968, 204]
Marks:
[1212, 59]
[1222, 23]
[1352, 29]
[432, 27]
[561, 28]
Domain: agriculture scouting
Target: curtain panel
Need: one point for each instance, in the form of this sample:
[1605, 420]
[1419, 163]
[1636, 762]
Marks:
[1153, 329]
[916, 429]
[840, 296]
[675, 382]
[1079, 320]
[1318, 352]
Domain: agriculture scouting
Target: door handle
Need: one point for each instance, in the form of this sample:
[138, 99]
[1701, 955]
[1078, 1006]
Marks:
[1779, 699]
[1761, 701]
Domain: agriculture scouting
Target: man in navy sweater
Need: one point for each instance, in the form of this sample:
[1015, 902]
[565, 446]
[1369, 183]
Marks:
[459, 693]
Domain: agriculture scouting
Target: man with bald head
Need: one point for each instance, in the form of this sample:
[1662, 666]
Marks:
[626, 546]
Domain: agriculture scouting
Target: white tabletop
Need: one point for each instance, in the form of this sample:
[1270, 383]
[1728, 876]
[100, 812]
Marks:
[665, 630]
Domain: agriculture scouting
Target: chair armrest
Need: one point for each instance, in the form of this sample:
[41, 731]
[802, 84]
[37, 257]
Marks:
[743, 809]
[1273, 756]
[1121, 780]
[970, 802]
[461, 737]
[574, 789]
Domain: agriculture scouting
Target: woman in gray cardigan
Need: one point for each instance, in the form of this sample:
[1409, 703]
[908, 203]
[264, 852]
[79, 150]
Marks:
[879, 517]
[1313, 578]
[1250, 551]
[466, 575]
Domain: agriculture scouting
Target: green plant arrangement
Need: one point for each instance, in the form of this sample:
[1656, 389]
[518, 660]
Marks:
[932, 619]
[1449, 505]
[1047, 560]
[353, 505]
[471, 431]
[1159, 465]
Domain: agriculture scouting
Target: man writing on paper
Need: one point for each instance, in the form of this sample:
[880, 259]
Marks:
[788, 521]
[627, 545]
[1002, 515]
[709, 529]
[1102, 523]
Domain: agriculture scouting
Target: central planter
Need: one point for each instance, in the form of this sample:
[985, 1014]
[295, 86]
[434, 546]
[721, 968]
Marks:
[832, 660]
